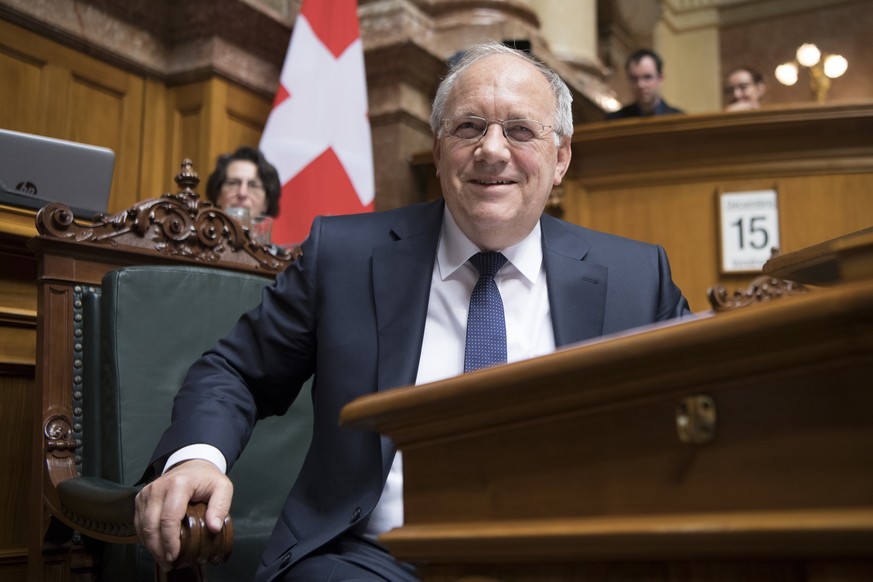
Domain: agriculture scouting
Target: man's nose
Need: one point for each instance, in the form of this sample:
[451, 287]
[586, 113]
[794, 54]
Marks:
[493, 143]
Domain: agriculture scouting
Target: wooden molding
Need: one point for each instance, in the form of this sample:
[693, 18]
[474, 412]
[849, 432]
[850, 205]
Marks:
[780, 142]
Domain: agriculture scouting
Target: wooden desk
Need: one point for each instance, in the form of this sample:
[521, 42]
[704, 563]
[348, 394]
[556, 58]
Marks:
[578, 465]
[843, 259]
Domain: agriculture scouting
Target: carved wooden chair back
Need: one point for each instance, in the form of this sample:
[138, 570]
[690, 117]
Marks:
[73, 257]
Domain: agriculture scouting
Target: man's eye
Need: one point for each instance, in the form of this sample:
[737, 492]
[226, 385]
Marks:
[520, 131]
[468, 129]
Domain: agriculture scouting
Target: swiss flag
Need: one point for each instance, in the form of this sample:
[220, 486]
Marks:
[318, 132]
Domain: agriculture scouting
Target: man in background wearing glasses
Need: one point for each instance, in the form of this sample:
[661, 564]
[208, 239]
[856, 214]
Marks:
[381, 300]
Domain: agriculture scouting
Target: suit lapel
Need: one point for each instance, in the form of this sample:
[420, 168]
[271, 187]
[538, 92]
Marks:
[577, 288]
[402, 272]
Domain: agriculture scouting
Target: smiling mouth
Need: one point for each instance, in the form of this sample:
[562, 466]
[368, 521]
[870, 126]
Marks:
[492, 182]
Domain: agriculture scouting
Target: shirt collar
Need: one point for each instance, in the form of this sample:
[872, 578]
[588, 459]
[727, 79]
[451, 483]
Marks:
[455, 249]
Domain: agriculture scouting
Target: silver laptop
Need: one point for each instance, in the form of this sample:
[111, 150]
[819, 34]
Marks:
[37, 170]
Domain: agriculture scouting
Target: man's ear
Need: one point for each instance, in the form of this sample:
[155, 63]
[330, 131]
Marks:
[437, 152]
[565, 152]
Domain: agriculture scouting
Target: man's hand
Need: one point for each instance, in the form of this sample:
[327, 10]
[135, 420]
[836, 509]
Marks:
[161, 505]
[741, 106]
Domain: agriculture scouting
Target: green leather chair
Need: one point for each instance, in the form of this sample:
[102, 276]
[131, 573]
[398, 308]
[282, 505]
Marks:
[151, 323]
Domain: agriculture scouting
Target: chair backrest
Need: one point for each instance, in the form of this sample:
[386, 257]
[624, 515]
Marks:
[154, 322]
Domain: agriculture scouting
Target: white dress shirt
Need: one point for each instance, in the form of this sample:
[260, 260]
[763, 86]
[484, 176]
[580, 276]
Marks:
[529, 333]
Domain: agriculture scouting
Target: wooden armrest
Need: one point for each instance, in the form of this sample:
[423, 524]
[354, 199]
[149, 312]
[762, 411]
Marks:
[99, 508]
[201, 546]
[105, 510]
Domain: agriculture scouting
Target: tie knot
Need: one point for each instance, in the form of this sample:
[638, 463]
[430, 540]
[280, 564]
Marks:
[488, 263]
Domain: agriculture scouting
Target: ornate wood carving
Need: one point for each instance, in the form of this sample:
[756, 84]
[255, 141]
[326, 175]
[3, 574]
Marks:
[59, 436]
[760, 290]
[177, 225]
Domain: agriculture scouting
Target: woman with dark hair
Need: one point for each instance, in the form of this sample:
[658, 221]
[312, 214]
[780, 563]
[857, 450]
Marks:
[245, 179]
[744, 89]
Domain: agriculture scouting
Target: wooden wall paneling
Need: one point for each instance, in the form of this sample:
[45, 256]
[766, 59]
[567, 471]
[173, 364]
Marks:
[157, 161]
[186, 119]
[17, 341]
[574, 199]
[12, 567]
[18, 320]
[679, 217]
[683, 218]
[232, 116]
[106, 109]
[213, 125]
[244, 117]
[199, 121]
[17, 386]
[656, 180]
[16, 391]
[819, 208]
[20, 90]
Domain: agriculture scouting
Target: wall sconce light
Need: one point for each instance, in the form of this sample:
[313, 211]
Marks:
[822, 68]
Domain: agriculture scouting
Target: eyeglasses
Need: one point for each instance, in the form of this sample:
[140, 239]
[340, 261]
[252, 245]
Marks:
[472, 128]
[234, 185]
[743, 87]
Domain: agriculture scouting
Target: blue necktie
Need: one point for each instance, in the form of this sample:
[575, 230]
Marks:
[486, 326]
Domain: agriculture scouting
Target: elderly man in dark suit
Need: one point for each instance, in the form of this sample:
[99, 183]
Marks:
[397, 298]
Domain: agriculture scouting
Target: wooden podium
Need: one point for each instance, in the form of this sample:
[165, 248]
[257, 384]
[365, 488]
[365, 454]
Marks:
[736, 446]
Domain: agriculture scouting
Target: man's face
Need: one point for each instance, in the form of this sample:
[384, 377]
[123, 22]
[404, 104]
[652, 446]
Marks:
[742, 90]
[645, 82]
[496, 189]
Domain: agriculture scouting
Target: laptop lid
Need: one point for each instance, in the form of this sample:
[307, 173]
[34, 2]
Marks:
[37, 170]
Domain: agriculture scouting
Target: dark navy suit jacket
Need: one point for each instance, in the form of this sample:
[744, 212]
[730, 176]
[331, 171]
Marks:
[353, 310]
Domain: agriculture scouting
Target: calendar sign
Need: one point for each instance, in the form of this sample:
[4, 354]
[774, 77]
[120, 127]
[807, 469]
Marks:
[749, 229]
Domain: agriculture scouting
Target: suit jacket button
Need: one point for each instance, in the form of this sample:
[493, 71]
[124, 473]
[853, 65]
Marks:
[286, 558]
[356, 515]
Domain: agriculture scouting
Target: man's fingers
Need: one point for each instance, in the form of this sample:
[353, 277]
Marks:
[219, 505]
[161, 506]
[148, 519]
[170, 523]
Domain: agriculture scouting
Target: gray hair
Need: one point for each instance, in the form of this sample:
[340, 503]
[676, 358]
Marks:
[563, 99]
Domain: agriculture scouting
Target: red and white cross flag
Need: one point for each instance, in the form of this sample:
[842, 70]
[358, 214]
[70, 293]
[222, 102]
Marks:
[318, 133]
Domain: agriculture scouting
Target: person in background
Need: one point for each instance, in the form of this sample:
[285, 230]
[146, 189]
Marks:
[380, 300]
[245, 179]
[744, 89]
[645, 75]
